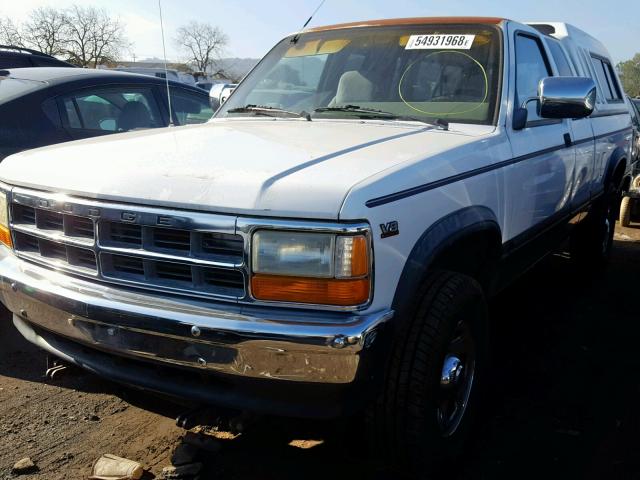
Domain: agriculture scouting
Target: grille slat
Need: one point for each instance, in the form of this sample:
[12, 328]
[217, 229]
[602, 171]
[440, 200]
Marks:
[130, 265]
[78, 226]
[223, 278]
[47, 220]
[222, 244]
[129, 247]
[169, 239]
[23, 215]
[173, 271]
[122, 233]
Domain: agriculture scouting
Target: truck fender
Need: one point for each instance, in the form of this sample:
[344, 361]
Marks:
[441, 235]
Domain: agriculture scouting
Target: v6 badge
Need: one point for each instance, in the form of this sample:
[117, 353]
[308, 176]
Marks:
[389, 229]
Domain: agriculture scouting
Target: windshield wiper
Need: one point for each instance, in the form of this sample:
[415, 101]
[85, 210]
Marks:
[374, 113]
[268, 111]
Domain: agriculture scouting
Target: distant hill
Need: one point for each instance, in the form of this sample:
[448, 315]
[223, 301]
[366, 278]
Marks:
[238, 67]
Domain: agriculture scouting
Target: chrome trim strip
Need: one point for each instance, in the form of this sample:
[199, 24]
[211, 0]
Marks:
[55, 237]
[58, 265]
[153, 255]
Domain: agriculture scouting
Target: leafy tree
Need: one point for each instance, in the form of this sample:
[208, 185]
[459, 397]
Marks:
[630, 75]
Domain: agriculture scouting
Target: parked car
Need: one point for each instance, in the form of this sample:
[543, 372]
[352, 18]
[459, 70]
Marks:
[205, 85]
[187, 79]
[152, 72]
[630, 204]
[327, 243]
[219, 93]
[19, 57]
[43, 106]
[635, 115]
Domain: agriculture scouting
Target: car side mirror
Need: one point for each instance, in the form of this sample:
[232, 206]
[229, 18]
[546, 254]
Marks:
[558, 98]
[566, 97]
[219, 94]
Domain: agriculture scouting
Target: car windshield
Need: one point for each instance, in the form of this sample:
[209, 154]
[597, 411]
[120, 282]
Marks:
[449, 73]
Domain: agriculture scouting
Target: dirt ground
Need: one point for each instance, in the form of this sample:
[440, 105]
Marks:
[563, 401]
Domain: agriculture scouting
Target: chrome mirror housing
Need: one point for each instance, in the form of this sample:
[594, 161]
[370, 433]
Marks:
[566, 97]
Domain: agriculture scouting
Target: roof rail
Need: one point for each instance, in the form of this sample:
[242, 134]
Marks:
[26, 50]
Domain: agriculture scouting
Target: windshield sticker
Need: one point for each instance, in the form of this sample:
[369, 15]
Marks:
[440, 42]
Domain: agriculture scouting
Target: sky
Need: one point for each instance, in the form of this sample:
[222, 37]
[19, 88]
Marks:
[254, 26]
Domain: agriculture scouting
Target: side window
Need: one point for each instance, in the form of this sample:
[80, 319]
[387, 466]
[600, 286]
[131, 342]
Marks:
[189, 109]
[50, 109]
[531, 67]
[562, 62]
[613, 82]
[111, 109]
[605, 88]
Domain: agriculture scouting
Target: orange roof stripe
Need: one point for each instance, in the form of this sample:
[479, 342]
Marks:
[411, 21]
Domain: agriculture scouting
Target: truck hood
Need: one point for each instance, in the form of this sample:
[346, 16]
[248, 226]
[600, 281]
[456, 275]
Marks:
[244, 166]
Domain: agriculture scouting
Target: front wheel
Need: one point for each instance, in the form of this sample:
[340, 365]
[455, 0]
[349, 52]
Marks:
[423, 417]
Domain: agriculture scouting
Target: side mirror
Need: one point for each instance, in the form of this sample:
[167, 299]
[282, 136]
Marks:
[219, 94]
[560, 97]
[566, 97]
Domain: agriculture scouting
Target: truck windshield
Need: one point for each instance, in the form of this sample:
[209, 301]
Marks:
[426, 72]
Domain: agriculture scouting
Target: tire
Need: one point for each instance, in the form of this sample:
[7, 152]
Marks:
[592, 240]
[413, 423]
[625, 211]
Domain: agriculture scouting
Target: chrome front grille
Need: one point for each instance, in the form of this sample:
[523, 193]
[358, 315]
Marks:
[167, 250]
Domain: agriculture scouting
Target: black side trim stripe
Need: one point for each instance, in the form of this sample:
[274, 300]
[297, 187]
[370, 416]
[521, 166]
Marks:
[409, 192]
[604, 135]
[609, 113]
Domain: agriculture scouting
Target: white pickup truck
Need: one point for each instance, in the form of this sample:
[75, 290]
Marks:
[326, 243]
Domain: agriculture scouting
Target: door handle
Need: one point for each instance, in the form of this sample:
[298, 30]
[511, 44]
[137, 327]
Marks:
[567, 140]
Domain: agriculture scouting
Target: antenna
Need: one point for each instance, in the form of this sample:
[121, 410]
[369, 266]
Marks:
[166, 73]
[297, 37]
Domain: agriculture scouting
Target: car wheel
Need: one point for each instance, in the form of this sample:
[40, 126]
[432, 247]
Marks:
[431, 389]
[625, 211]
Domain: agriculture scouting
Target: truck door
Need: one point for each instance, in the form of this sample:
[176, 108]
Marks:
[539, 182]
[581, 132]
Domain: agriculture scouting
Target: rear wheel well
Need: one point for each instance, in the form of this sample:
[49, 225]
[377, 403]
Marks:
[618, 178]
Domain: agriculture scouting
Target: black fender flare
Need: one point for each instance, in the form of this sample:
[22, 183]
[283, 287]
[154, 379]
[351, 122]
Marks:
[617, 157]
[434, 241]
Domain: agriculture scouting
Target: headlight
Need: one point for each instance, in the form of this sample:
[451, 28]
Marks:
[5, 235]
[318, 268]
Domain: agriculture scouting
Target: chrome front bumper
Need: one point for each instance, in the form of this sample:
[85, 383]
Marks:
[237, 341]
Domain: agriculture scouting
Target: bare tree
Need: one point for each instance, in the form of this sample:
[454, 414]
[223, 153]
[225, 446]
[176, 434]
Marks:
[10, 34]
[45, 30]
[92, 36]
[203, 43]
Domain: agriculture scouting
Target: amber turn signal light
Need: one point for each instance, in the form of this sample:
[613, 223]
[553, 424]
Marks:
[322, 291]
[5, 236]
